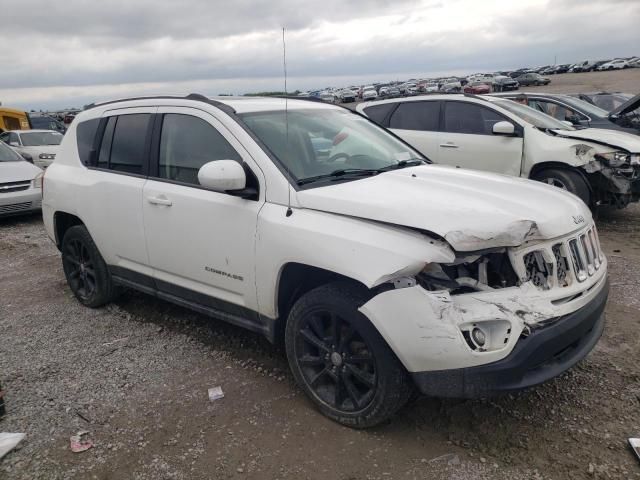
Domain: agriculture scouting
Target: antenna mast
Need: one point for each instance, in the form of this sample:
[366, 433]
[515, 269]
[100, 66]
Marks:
[286, 117]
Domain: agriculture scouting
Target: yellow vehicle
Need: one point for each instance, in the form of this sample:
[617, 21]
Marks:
[12, 119]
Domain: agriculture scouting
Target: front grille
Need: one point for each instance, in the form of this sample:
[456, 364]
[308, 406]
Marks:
[574, 259]
[9, 187]
[15, 207]
[538, 270]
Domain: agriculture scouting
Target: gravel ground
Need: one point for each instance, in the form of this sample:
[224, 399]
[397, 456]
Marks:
[135, 375]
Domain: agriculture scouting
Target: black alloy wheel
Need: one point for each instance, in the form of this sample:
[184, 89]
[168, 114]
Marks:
[336, 362]
[78, 265]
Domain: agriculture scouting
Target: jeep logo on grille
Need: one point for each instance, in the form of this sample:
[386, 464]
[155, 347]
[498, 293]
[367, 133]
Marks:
[578, 219]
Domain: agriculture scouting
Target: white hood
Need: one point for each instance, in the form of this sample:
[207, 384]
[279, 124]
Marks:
[612, 138]
[471, 210]
[17, 171]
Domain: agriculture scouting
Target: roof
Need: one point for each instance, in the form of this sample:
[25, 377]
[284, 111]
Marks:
[12, 110]
[35, 130]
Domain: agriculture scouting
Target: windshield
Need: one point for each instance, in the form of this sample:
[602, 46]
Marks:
[36, 139]
[610, 101]
[585, 106]
[8, 155]
[534, 117]
[320, 142]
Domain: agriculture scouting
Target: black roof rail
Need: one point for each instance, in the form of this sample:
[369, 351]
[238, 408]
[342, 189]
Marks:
[192, 96]
[307, 99]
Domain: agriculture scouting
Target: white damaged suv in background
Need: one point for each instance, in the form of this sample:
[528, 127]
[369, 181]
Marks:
[495, 134]
[379, 272]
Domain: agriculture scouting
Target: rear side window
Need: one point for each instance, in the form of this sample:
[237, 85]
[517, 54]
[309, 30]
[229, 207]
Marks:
[123, 143]
[463, 117]
[378, 113]
[186, 144]
[85, 135]
[424, 116]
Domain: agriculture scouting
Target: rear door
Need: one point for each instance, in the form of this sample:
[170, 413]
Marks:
[417, 123]
[118, 174]
[467, 139]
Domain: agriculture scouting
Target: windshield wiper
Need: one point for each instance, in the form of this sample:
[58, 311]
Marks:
[361, 172]
[345, 172]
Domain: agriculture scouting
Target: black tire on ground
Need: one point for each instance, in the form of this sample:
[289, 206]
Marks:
[86, 272]
[340, 360]
[567, 180]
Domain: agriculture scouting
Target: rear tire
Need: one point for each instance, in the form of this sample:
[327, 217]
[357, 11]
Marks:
[567, 180]
[340, 360]
[86, 271]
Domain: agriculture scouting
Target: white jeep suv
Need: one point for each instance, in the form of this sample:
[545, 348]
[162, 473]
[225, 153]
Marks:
[495, 134]
[379, 271]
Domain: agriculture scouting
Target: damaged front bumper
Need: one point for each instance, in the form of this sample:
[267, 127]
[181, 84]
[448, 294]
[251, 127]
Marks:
[528, 333]
[543, 354]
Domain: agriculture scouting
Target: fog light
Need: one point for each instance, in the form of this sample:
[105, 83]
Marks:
[478, 337]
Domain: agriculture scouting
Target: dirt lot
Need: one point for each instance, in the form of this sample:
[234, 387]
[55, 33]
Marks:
[135, 375]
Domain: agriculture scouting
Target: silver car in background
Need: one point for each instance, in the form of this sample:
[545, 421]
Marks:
[20, 184]
[38, 146]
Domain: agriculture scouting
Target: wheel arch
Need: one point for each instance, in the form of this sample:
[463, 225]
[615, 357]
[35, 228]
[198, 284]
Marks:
[296, 279]
[539, 167]
[63, 221]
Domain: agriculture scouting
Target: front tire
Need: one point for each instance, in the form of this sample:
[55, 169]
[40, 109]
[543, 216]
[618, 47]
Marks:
[340, 360]
[567, 180]
[86, 271]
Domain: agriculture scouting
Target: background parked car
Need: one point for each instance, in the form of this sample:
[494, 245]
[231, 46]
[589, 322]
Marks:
[585, 66]
[584, 114]
[617, 64]
[502, 83]
[13, 119]
[346, 96]
[45, 122]
[20, 184]
[532, 79]
[477, 88]
[605, 100]
[39, 145]
[369, 94]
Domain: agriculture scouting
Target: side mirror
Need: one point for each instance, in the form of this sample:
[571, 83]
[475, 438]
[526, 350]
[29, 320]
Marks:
[222, 176]
[503, 128]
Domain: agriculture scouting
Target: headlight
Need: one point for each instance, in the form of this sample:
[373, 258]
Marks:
[37, 181]
[47, 156]
[615, 159]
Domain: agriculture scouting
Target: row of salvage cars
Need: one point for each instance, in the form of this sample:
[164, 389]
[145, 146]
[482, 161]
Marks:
[381, 272]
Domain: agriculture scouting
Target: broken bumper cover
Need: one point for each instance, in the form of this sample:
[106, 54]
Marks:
[544, 354]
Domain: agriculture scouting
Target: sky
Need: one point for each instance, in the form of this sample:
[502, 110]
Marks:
[63, 53]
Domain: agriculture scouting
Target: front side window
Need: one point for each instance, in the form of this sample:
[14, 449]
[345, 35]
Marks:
[123, 143]
[13, 138]
[423, 116]
[469, 118]
[38, 139]
[557, 111]
[532, 116]
[186, 144]
[318, 142]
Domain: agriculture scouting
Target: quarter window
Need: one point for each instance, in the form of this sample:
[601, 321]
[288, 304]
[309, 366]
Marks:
[422, 116]
[123, 143]
[463, 117]
[186, 144]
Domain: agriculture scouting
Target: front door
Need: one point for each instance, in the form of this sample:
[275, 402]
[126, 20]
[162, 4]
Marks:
[467, 140]
[201, 243]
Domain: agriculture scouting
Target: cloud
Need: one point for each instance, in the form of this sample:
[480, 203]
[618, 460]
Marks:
[75, 49]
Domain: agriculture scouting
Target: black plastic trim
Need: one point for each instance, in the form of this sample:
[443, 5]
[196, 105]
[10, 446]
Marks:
[199, 302]
[544, 354]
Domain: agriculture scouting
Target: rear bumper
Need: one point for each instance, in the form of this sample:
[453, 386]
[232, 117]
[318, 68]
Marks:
[544, 354]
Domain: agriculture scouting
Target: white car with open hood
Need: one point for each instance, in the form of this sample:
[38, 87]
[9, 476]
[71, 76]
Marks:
[311, 225]
[495, 134]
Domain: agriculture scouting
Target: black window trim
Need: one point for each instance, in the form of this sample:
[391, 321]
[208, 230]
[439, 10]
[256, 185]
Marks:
[97, 144]
[518, 131]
